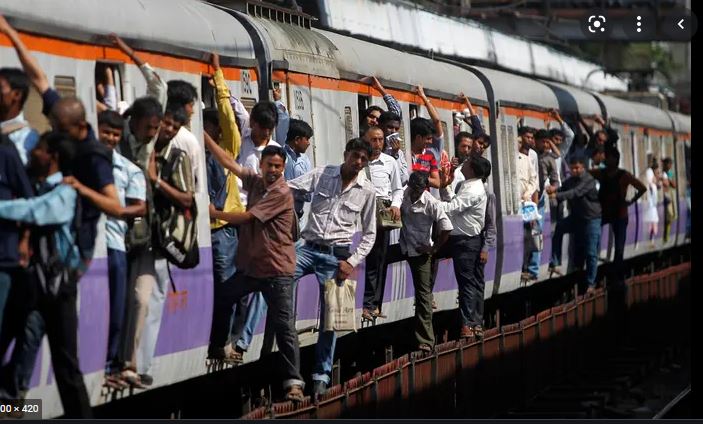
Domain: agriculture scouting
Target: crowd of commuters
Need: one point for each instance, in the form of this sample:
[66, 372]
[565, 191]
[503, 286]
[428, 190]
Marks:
[142, 168]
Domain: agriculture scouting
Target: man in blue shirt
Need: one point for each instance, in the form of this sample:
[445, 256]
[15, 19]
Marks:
[56, 267]
[297, 162]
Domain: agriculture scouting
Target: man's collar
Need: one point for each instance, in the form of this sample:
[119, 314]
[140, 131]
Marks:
[16, 120]
[289, 149]
[54, 178]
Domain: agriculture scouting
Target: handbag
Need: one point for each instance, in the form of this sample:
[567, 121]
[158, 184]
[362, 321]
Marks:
[384, 218]
[340, 306]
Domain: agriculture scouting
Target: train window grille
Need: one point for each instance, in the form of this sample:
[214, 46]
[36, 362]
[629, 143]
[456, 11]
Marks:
[246, 83]
[248, 103]
[413, 111]
[65, 85]
[445, 136]
[348, 123]
[506, 168]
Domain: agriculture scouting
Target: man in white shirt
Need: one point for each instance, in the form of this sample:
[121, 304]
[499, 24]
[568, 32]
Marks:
[14, 89]
[184, 94]
[530, 266]
[384, 173]
[467, 211]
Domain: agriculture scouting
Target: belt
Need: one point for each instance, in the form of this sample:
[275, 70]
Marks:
[339, 251]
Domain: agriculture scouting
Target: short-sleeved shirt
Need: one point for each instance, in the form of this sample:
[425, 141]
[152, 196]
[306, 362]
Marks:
[418, 219]
[14, 184]
[270, 249]
[425, 161]
[130, 184]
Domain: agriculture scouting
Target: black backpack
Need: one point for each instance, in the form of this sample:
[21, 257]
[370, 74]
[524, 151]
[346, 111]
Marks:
[175, 229]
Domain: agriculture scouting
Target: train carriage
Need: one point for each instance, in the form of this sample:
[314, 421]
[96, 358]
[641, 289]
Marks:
[319, 73]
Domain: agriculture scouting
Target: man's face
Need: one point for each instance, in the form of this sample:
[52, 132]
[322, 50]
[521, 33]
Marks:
[109, 136]
[666, 166]
[75, 130]
[422, 142]
[272, 168]
[576, 169]
[146, 128]
[376, 139]
[415, 192]
[611, 162]
[464, 147]
[190, 109]
[169, 128]
[557, 139]
[479, 147]
[540, 145]
[372, 118]
[391, 127]
[8, 98]
[602, 137]
[598, 158]
[40, 161]
[356, 160]
[529, 140]
[212, 130]
[259, 134]
[301, 144]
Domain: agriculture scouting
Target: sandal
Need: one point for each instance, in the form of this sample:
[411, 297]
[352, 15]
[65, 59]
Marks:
[555, 270]
[366, 315]
[295, 393]
[132, 378]
[424, 347]
[115, 381]
[378, 314]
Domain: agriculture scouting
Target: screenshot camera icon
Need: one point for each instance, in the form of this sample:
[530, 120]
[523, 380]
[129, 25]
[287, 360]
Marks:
[596, 25]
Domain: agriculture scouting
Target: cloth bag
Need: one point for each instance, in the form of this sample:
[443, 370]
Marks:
[340, 306]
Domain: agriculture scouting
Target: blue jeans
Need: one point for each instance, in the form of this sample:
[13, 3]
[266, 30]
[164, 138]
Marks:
[224, 249]
[587, 241]
[257, 309]
[535, 256]
[324, 266]
[117, 277]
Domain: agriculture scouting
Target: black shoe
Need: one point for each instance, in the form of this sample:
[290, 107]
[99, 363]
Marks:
[319, 388]
[146, 379]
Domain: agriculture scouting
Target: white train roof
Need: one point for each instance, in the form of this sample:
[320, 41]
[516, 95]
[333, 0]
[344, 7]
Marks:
[635, 113]
[519, 90]
[167, 24]
[357, 58]
[682, 122]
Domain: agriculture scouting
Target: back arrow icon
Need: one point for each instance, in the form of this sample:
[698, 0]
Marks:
[680, 24]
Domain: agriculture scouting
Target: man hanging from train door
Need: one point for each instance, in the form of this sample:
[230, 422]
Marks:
[383, 172]
[527, 158]
[342, 195]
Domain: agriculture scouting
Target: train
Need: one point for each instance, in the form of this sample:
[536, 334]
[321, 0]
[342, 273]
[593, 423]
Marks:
[319, 73]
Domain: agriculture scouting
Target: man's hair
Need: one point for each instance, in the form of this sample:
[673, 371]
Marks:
[461, 135]
[373, 108]
[542, 134]
[298, 128]
[62, 145]
[598, 132]
[373, 128]
[181, 92]
[481, 167]
[273, 151]
[265, 114]
[525, 130]
[554, 132]
[422, 127]
[357, 144]
[597, 150]
[177, 112]
[666, 161]
[387, 116]
[17, 80]
[419, 180]
[576, 159]
[211, 116]
[145, 107]
[485, 139]
[111, 118]
[613, 153]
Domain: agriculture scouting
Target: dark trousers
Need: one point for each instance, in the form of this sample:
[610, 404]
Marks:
[225, 241]
[619, 227]
[278, 293]
[376, 270]
[468, 270]
[421, 269]
[117, 277]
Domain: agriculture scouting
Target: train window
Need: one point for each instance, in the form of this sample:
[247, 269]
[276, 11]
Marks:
[363, 103]
[32, 112]
[108, 86]
[413, 111]
[66, 86]
[445, 135]
[207, 92]
[248, 103]
[507, 178]
[348, 124]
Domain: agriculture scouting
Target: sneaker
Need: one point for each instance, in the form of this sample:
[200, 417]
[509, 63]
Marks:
[146, 379]
[295, 393]
[235, 356]
[319, 388]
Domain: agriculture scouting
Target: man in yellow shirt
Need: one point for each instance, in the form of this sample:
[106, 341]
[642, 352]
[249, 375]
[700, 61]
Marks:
[222, 187]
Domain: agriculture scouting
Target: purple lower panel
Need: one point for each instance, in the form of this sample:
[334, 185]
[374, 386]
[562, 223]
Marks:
[514, 244]
[188, 312]
[94, 317]
[309, 298]
[631, 225]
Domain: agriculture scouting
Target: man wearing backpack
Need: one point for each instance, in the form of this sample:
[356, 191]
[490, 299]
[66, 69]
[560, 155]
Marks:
[614, 183]
[56, 266]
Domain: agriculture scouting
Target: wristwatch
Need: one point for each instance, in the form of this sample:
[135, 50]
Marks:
[157, 183]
